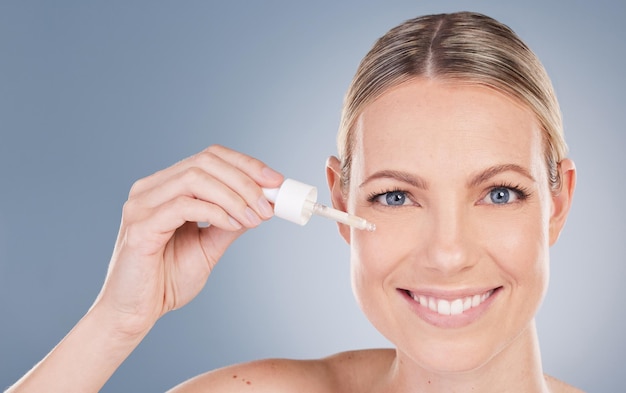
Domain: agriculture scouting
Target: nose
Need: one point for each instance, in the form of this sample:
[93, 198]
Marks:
[451, 240]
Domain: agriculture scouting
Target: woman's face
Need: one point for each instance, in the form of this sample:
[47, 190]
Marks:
[454, 178]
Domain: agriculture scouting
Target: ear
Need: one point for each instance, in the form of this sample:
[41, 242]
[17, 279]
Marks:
[333, 177]
[562, 202]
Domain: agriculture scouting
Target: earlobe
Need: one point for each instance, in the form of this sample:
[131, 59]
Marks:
[562, 202]
[333, 177]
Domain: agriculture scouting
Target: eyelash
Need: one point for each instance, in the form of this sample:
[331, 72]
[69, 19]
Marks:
[522, 192]
[373, 196]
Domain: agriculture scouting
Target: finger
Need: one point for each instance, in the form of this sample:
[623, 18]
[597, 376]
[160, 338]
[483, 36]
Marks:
[256, 169]
[149, 236]
[214, 242]
[238, 181]
[213, 180]
[260, 172]
[241, 198]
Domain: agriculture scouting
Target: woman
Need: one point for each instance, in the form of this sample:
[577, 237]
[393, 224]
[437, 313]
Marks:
[451, 142]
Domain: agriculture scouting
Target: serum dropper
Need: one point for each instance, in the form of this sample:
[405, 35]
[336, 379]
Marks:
[297, 202]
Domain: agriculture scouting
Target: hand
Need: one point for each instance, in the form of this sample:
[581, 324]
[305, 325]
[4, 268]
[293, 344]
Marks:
[162, 259]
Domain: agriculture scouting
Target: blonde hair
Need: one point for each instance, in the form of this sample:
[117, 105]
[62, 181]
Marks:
[465, 47]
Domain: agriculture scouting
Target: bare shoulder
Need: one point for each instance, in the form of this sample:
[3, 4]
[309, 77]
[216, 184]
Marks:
[558, 386]
[343, 372]
[270, 375]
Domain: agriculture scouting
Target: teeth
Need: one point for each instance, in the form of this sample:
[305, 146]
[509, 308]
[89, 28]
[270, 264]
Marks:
[454, 307]
[443, 307]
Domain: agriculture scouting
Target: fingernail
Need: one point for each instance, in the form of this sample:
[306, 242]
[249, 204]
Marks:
[265, 207]
[271, 174]
[252, 217]
[234, 222]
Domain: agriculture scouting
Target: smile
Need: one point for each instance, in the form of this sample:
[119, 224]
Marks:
[451, 307]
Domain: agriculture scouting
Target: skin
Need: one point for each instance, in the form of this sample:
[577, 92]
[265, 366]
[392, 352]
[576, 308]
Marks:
[447, 240]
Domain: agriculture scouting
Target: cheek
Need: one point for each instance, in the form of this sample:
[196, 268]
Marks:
[372, 262]
[376, 253]
[521, 250]
[368, 262]
[375, 259]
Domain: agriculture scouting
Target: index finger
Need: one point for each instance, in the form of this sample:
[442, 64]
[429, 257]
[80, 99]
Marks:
[256, 169]
[262, 174]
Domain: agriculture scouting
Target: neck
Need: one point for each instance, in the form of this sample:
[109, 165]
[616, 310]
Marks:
[516, 368]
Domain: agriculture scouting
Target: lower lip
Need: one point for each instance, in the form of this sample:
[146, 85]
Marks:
[450, 321]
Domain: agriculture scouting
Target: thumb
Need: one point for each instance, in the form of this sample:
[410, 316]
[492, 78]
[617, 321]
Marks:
[214, 242]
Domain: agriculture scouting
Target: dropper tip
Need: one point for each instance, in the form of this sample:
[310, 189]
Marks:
[370, 227]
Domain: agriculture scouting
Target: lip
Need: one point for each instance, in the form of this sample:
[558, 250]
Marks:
[457, 320]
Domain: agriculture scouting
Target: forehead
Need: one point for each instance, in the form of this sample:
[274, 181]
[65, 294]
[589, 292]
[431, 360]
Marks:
[425, 122]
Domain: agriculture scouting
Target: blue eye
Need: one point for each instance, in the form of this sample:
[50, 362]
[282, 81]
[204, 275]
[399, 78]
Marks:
[501, 196]
[392, 198]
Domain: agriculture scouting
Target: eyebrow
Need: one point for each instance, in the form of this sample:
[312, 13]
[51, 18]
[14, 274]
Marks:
[405, 177]
[488, 173]
[419, 182]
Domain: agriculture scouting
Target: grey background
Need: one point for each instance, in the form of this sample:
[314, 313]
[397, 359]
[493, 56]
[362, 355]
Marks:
[94, 95]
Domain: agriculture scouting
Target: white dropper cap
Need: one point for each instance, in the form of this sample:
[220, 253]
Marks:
[291, 200]
[296, 202]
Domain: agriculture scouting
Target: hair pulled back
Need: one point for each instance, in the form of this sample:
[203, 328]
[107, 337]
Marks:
[462, 47]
